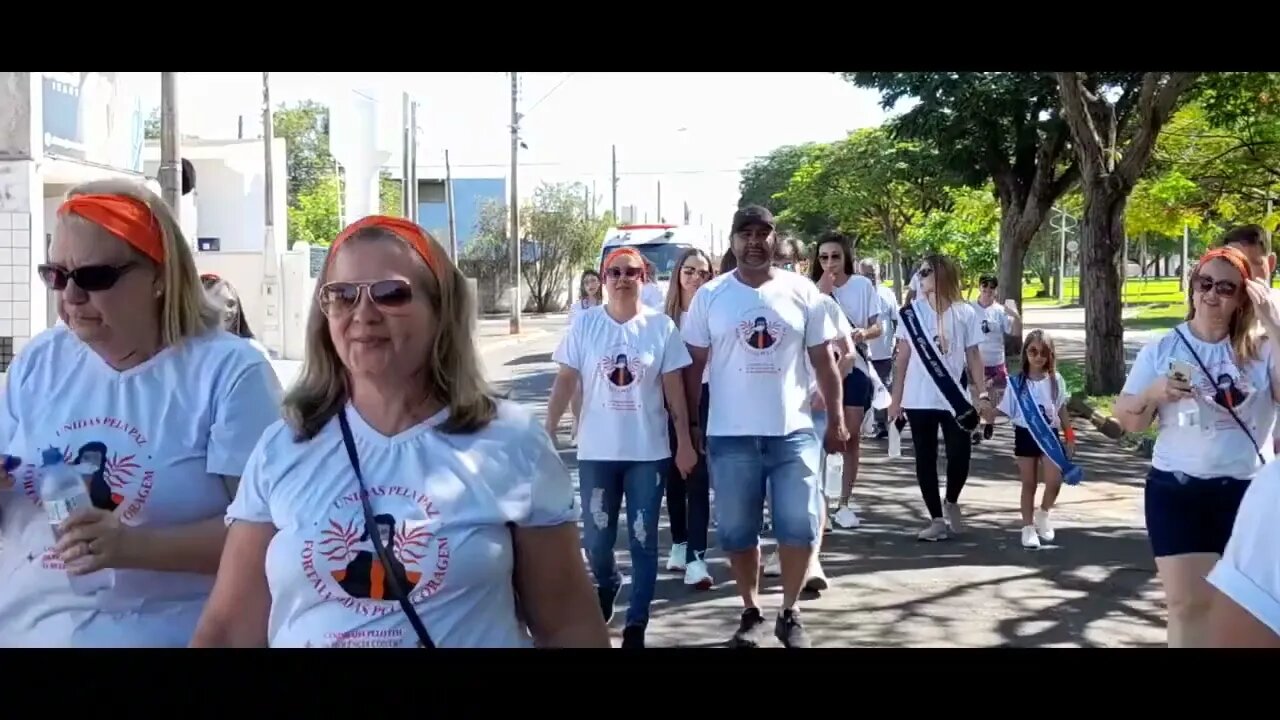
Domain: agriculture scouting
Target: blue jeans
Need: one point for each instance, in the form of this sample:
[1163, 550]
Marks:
[603, 484]
[742, 468]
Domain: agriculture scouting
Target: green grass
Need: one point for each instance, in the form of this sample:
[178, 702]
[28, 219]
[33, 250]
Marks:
[1137, 291]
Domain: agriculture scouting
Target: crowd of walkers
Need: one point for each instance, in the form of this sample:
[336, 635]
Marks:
[390, 498]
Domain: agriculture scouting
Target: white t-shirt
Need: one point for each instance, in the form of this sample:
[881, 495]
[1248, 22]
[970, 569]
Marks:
[1216, 446]
[1249, 571]
[165, 431]
[994, 323]
[706, 369]
[759, 340]
[1042, 392]
[959, 325]
[881, 348]
[843, 329]
[651, 295]
[621, 365]
[858, 300]
[576, 308]
[443, 500]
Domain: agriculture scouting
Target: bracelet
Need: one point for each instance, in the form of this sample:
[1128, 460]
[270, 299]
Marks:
[1070, 433]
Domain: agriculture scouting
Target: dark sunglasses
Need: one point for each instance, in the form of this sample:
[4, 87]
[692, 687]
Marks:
[924, 272]
[986, 285]
[1223, 288]
[704, 274]
[342, 297]
[630, 272]
[90, 278]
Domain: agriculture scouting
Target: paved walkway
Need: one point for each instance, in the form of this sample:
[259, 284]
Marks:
[1094, 587]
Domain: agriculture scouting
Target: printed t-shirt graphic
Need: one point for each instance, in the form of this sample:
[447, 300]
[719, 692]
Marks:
[761, 332]
[442, 503]
[151, 443]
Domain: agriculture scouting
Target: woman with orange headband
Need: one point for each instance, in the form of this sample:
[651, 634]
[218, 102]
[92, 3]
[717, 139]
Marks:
[628, 358]
[143, 394]
[1212, 384]
[400, 503]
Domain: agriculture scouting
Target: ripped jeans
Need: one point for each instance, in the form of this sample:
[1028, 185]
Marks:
[603, 484]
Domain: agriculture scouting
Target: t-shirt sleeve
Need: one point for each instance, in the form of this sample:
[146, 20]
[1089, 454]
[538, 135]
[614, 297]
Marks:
[837, 316]
[250, 405]
[973, 328]
[818, 327]
[1249, 571]
[1008, 404]
[252, 500]
[1144, 370]
[569, 351]
[675, 354]
[543, 490]
[901, 332]
[695, 329]
[1062, 390]
[871, 301]
[914, 284]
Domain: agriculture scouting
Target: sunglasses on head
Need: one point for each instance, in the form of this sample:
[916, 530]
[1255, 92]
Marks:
[1223, 288]
[630, 272]
[343, 297]
[924, 272]
[90, 278]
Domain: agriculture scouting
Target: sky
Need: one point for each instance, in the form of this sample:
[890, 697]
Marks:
[690, 132]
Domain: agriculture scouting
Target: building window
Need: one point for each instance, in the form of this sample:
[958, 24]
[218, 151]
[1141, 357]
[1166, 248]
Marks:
[6, 353]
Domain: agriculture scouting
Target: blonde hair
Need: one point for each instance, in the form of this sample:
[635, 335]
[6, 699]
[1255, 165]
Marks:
[185, 310]
[946, 279]
[675, 289]
[453, 372]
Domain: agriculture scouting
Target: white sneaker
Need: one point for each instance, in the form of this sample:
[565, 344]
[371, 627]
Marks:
[1043, 527]
[675, 561]
[1030, 540]
[698, 575]
[846, 518]
[855, 506]
[955, 520]
[936, 531]
[773, 566]
[815, 580]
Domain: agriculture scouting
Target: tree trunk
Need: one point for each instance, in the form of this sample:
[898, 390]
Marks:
[1102, 234]
[1016, 234]
[895, 263]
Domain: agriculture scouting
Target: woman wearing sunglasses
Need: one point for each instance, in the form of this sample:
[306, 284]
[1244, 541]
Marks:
[152, 404]
[628, 358]
[689, 499]
[1212, 384]
[399, 504]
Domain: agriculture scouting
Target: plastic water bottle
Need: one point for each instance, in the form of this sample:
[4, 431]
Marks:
[833, 481]
[63, 492]
[895, 441]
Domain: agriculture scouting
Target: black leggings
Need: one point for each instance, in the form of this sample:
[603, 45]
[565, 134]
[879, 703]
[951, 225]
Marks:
[924, 436]
[689, 499]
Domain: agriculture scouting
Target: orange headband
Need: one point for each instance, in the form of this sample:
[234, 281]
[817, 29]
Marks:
[1231, 255]
[417, 238]
[621, 252]
[127, 218]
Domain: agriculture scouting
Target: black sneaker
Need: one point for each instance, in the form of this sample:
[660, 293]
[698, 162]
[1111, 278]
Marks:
[607, 596]
[633, 637]
[750, 630]
[789, 631]
[988, 431]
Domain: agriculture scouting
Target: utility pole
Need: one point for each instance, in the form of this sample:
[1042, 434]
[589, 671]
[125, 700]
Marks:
[659, 201]
[448, 199]
[413, 158]
[270, 261]
[170, 172]
[406, 169]
[514, 209]
[1062, 256]
[614, 184]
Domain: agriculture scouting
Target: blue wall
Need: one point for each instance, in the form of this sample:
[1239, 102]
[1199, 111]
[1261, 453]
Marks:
[469, 196]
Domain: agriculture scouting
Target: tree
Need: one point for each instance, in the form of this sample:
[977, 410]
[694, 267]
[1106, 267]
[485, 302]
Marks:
[765, 179]
[1113, 142]
[305, 129]
[487, 258]
[966, 232]
[559, 236]
[315, 218]
[871, 186]
[390, 195]
[1005, 127]
[151, 129]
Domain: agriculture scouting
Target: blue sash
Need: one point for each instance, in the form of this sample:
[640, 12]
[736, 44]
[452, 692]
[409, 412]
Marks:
[1043, 434]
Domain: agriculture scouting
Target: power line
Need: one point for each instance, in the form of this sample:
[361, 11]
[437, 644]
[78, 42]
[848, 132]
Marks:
[550, 92]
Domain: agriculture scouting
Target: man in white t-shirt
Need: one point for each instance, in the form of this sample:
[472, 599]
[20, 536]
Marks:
[995, 321]
[1255, 242]
[881, 348]
[1246, 607]
[758, 323]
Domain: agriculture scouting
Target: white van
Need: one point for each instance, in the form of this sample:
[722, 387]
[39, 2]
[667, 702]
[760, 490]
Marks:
[660, 244]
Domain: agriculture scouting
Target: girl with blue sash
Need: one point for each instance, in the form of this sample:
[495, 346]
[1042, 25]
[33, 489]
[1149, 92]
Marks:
[1036, 405]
